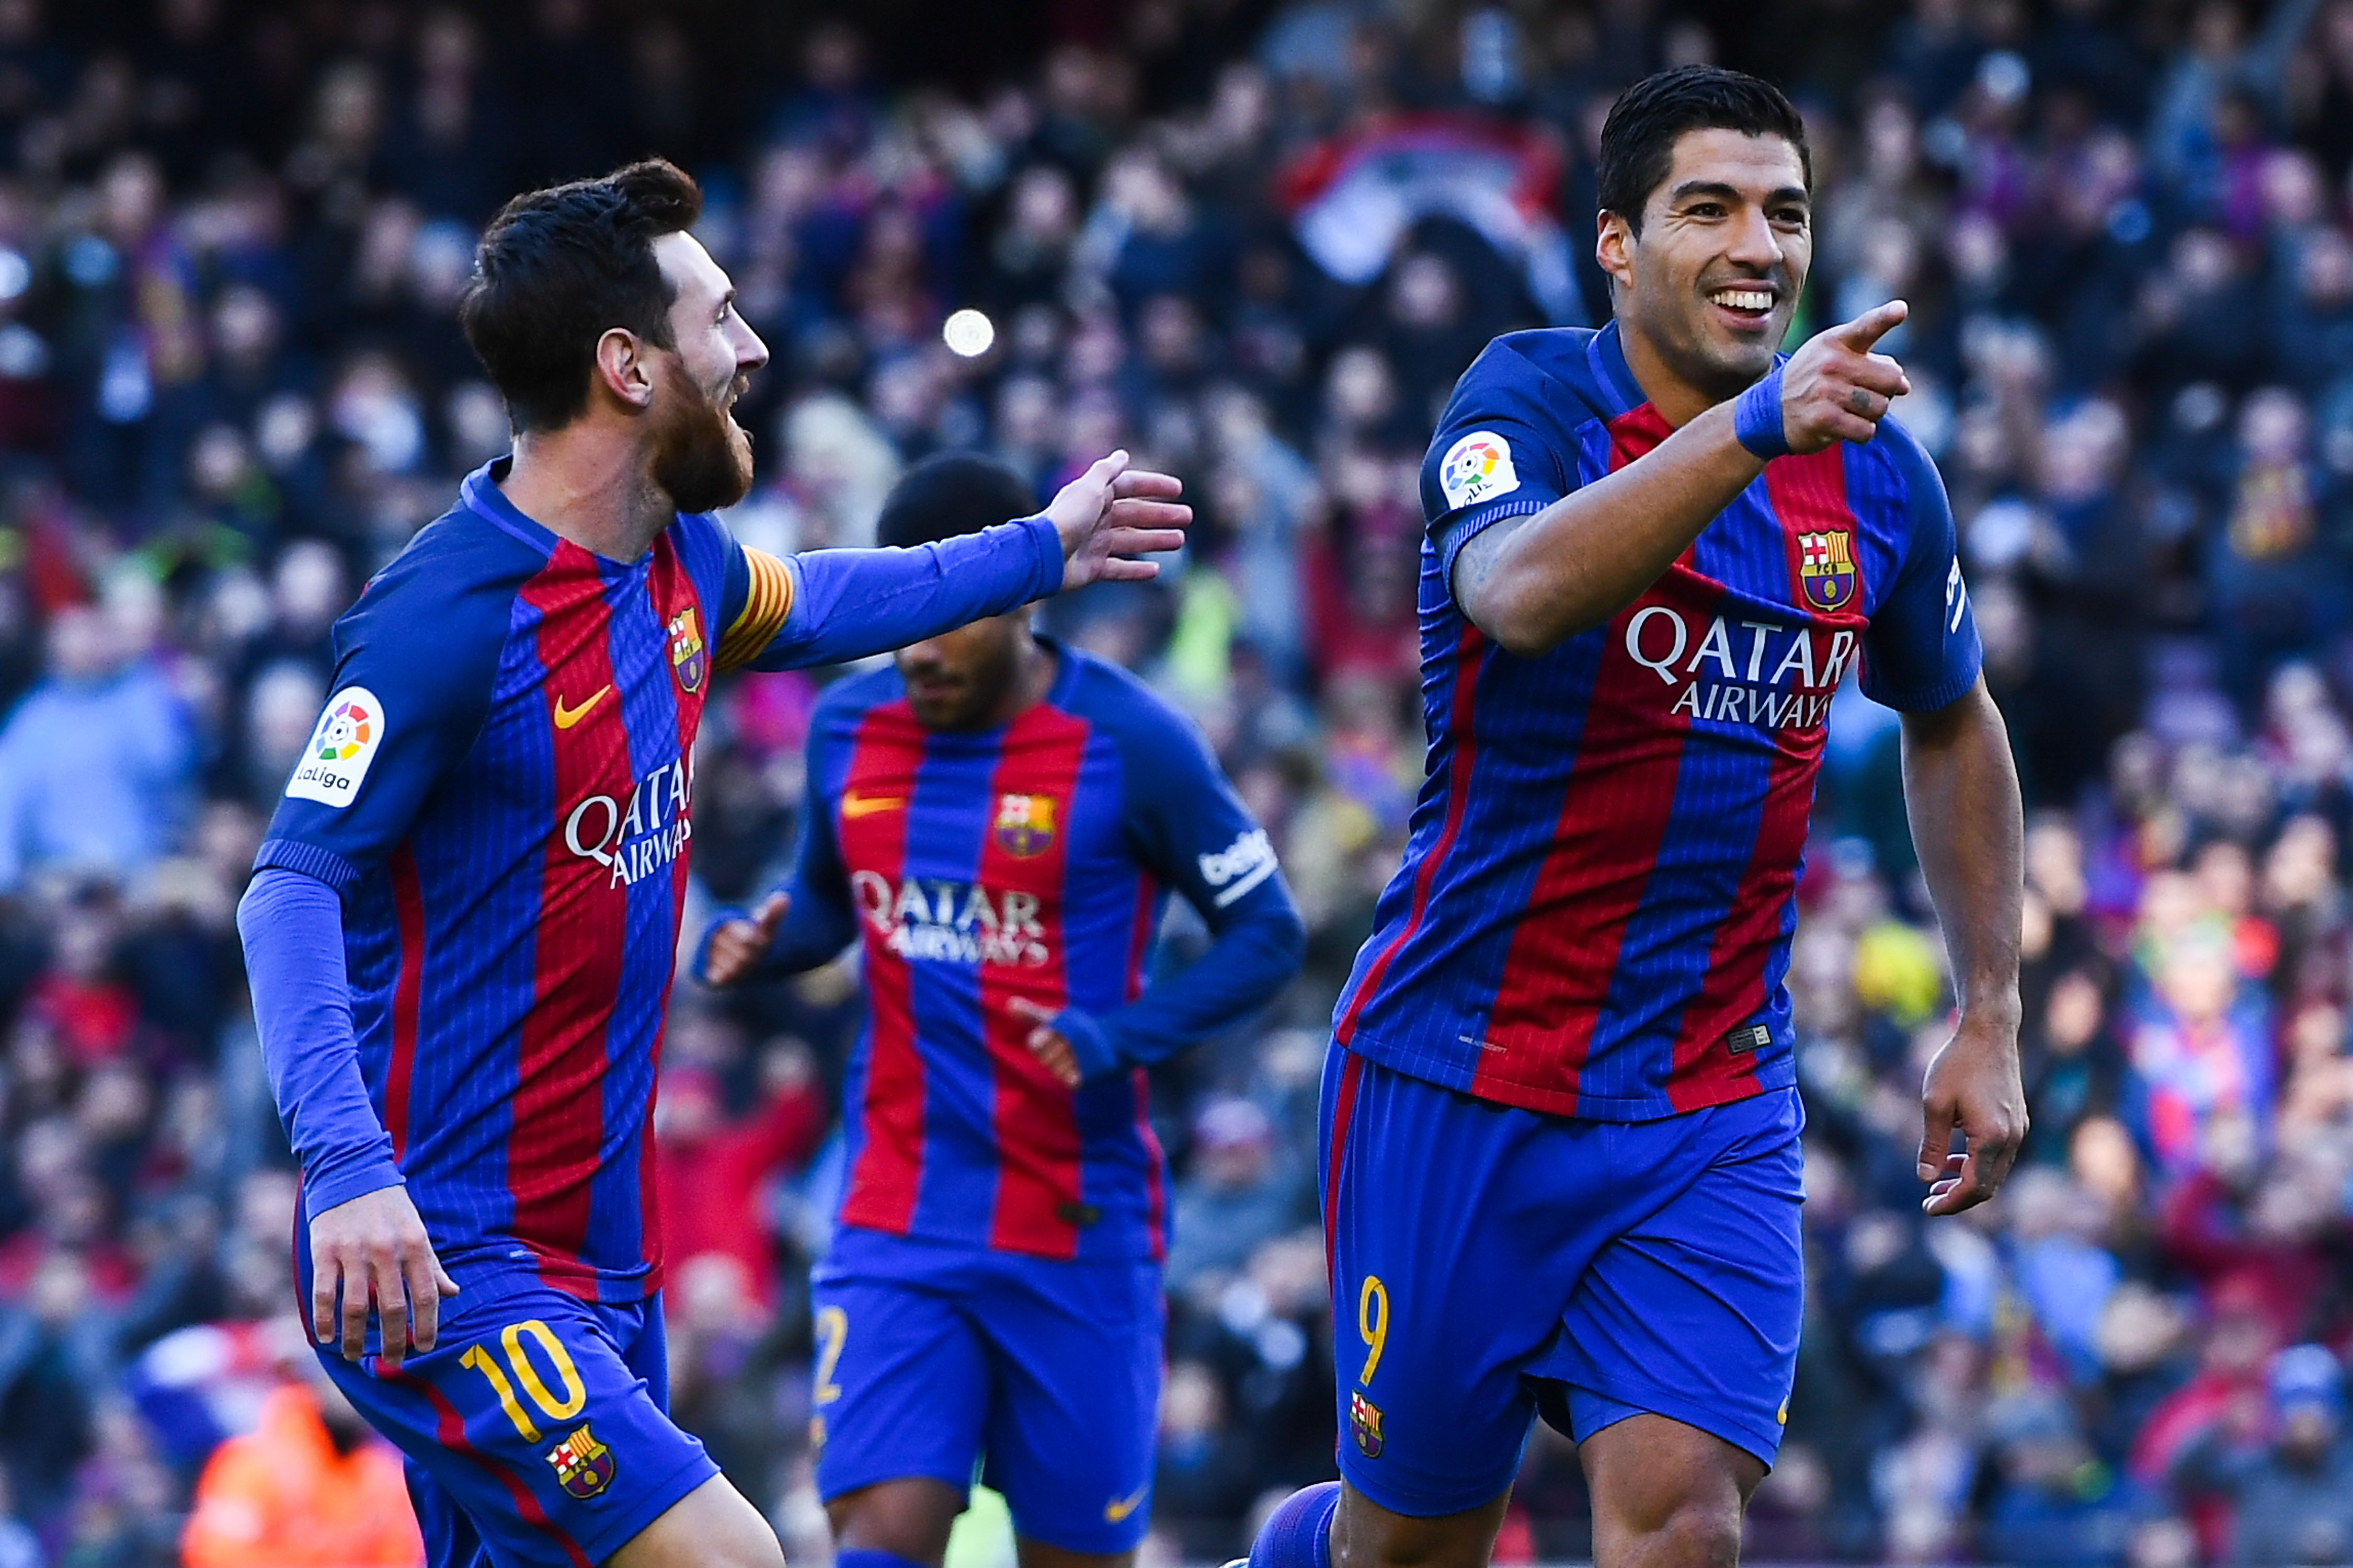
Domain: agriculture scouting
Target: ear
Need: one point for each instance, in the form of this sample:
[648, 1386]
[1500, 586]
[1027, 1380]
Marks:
[1613, 248]
[624, 367]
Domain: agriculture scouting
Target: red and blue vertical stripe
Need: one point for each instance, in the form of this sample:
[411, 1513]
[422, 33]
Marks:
[1594, 909]
[1014, 841]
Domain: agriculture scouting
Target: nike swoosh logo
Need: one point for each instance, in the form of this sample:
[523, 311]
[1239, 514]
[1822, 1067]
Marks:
[567, 716]
[1120, 1507]
[868, 805]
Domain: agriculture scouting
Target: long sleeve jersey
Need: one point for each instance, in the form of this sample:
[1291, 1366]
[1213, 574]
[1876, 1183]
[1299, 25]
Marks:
[1032, 861]
[496, 799]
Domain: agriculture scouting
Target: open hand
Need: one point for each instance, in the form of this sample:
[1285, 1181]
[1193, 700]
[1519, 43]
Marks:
[1112, 513]
[373, 1249]
[1835, 388]
[1047, 1042]
[1972, 1084]
[738, 945]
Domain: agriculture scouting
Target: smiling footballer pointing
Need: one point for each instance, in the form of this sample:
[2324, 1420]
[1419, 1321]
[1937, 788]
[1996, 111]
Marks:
[1561, 1160]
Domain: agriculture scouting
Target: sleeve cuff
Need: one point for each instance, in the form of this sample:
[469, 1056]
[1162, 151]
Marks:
[1452, 534]
[293, 855]
[1091, 1043]
[1944, 694]
[1048, 544]
[340, 1186]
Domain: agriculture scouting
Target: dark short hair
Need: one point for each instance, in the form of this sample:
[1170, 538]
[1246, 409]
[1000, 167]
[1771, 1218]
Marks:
[952, 493]
[1638, 140]
[559, 267]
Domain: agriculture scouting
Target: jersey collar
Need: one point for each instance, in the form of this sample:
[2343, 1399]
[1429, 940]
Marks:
[1605, 356]
[483, 498]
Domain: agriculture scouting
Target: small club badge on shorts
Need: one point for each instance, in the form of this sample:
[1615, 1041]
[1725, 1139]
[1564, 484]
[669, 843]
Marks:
[1364, 1420]
[583, 1467]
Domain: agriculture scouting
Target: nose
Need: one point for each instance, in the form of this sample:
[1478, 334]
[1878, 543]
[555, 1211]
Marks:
[751, 353]
[1753, 243]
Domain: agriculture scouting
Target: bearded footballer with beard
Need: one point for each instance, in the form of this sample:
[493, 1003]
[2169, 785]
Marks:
[461, 929]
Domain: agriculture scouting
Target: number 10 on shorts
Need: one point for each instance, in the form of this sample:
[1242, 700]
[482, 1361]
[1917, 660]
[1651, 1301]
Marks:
[576, 1394]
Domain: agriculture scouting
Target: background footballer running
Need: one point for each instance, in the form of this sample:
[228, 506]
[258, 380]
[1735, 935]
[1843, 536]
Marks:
[998, 821]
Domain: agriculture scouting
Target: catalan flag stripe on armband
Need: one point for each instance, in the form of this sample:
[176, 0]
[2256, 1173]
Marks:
[766, 602]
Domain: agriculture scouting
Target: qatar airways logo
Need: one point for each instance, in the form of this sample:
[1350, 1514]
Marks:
[634, 838]
[952, 923]
[1741, 672]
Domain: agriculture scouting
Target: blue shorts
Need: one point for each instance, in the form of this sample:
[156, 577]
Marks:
[536, 1431]
[930, 1356]
[1491, 1264]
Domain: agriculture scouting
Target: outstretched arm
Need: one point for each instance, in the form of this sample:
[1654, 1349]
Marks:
[830, 606]
[1531, 583]
[1960, 789]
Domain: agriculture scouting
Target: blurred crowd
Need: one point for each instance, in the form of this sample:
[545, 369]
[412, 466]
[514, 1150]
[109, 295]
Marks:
[1255, 242]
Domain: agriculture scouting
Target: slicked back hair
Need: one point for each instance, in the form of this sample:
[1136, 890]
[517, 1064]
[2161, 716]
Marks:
[559, 267]
[1638, 140]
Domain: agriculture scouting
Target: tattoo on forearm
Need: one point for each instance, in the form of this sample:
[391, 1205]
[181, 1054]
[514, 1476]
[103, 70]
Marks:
[1477, 559]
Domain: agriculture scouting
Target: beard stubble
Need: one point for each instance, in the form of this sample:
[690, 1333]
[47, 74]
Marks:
[702, 458]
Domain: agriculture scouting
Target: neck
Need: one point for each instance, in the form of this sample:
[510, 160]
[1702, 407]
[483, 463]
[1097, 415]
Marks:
[1033, 677]
[1677, 399]
[589, 483]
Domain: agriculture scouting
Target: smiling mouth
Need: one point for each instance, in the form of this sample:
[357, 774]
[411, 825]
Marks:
[1744, 301]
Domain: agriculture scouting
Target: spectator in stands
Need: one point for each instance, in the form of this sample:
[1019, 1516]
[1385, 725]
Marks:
[310, 1487]
[94, 765]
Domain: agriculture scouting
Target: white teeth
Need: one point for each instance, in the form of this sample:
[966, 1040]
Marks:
[1743, 298]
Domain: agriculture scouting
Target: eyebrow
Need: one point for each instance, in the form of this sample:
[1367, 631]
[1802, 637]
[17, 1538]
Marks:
[1719, 189]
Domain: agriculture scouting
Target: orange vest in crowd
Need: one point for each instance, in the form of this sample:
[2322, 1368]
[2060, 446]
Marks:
[281, 1496]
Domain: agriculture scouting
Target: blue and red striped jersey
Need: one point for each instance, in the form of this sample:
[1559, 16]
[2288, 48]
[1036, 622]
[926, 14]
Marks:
[1594, 913]
[500, 791]
[1029, 861]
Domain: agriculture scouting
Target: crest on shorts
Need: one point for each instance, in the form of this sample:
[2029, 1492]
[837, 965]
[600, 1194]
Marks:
[1826, 568]
[688, 659]
[1364, 1420]
[1025, 823]
[583, 1467]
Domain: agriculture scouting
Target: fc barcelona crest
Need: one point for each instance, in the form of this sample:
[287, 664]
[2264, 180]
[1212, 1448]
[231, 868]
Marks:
[1364, 1420]
[1025, 823]
[1826, 568]
[583, 1467]
[687, 656]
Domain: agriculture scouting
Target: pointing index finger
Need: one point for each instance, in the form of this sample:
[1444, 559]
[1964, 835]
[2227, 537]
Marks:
[1871, 325]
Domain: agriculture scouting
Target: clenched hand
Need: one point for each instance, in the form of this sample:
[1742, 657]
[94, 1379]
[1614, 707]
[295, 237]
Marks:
[1972, 1084]
[737, 947]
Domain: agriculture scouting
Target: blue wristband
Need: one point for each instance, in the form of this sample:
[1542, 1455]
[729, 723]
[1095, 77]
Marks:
[1756, 418]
